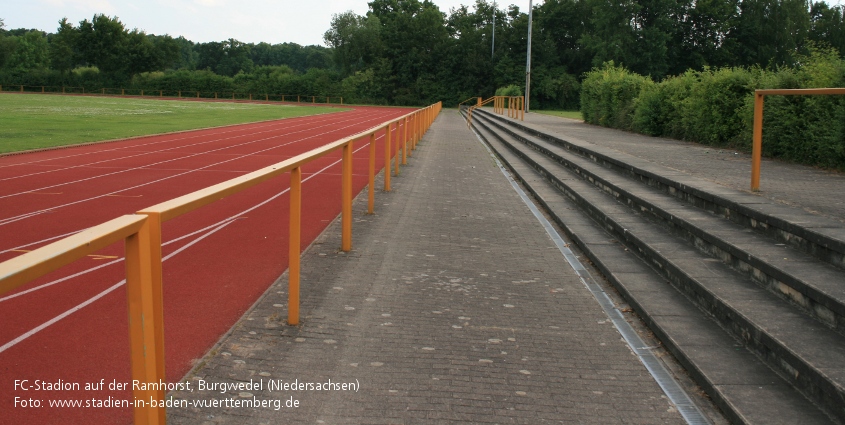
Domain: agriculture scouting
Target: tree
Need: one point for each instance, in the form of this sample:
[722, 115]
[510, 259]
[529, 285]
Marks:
[29, 52]
[188, 56]
[827, 25]
[234, 58]
[5, 45]
[102, 43]
[768, 33]
[356, 41]
[63, 52]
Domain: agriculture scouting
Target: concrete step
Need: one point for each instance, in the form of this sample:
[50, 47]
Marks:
[807, 354]
[818, 236]
[796, 276]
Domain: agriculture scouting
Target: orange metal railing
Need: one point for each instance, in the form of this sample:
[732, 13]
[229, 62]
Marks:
[757, 138]
[478, 99]
[141, 233]
[515, 106]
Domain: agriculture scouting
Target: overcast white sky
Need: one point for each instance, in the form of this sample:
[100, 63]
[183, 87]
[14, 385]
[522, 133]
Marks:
[250, 21]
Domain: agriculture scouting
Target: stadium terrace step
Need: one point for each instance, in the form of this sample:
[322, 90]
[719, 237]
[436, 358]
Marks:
[758, 306]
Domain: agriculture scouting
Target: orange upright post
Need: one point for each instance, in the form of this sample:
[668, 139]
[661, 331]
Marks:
[371, 198]
[387, 158]
[294, 245]
[346, 201]
[404, 151]
[397, 157]
[146, 318]
[757, 141]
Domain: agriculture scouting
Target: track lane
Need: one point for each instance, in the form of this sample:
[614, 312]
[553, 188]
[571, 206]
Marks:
[262, 236]
[228, 146]
[138, 184]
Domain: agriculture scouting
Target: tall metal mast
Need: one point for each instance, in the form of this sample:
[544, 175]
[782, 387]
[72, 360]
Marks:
[493, 46]
[528, 60]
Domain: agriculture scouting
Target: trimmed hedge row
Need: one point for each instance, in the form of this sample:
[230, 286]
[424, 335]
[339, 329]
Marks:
[716, 107]
[357, 88]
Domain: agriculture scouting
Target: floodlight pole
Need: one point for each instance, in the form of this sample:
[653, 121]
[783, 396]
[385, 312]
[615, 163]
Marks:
[493, 46]
[528, 59]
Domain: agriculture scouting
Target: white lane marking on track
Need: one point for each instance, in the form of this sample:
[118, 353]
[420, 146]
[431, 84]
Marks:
[9, 220]
[87, 302]
[147, 166]
[227, 221]
[159, 150]
[267, 124]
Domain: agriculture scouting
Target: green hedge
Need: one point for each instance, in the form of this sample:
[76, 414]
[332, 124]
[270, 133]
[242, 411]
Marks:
[609, 95]
[716, 106]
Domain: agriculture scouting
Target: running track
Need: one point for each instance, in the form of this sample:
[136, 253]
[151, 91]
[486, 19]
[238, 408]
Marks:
[71, 324]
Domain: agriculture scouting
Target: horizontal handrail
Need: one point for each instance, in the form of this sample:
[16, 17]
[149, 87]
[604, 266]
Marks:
[471, 98]
[34, 264]
[515, 107]
[757, 135]
[141, 233]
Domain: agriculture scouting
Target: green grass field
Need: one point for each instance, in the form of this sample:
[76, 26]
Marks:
[575, 115]
[42, 121]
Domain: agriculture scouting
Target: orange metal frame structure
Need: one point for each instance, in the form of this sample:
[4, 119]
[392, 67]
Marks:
[141, 233]
[515, 106]
[757, 141]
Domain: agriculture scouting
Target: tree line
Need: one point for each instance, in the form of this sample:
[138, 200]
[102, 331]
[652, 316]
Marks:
[410, 52]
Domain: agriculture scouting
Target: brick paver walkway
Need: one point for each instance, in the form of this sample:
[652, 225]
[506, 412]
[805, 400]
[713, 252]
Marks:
[453, 307]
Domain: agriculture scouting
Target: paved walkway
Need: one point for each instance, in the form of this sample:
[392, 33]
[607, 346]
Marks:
[815, 190]
[453, 307]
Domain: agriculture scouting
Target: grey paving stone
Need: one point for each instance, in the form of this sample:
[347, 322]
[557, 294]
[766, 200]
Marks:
[453, 307]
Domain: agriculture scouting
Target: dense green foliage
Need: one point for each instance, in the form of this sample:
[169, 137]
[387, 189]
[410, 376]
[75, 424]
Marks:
[411, 52]
[715, 107]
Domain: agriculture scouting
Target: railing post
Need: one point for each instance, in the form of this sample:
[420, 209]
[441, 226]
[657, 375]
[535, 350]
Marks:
[404, 151]
[417, 127]
[371, 198]
[522, 107]
[398, 157]
[387, 158]
[757, 142]
[146, 318]
[406, 136]
[346, 201]
[294, 245]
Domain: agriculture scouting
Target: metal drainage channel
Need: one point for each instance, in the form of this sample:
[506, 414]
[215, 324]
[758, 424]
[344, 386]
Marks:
[688, 410]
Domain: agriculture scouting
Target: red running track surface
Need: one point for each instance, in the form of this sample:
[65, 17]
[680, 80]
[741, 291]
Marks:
[71, 325]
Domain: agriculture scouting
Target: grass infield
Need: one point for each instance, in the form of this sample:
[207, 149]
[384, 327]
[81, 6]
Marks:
[575, 115]
[43, 121]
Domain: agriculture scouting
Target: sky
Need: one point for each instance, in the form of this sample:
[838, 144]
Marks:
[250, 21]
